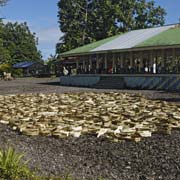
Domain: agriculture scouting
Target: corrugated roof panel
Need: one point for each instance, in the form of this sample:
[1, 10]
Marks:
[166, 38]
[131, 39]
[91, 46]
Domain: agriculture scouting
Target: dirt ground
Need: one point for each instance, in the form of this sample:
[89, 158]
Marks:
[87, 157]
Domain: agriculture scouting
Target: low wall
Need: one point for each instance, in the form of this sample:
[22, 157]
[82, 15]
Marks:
[86, 81]
[171, 83]
[147, 82]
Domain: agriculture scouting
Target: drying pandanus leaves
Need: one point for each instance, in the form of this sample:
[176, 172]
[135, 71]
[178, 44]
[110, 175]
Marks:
[117, 116]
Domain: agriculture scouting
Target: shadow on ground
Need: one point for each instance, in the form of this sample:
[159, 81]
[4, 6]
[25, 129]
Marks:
[57, 83]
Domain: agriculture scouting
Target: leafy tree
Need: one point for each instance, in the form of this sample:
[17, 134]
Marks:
[20, 42]
[51, 64]
[4, 53]
[102, 22]
[72, 23]
[85, 21]
[17, 43]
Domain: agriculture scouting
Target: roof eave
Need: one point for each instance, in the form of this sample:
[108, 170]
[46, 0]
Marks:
[121, 50]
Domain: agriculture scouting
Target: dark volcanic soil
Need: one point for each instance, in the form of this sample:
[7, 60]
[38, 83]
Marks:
[47, 85]
[88, 157]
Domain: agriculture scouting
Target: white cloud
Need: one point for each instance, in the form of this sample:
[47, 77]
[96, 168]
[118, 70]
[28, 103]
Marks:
[49, 35]
[47, 40]
[13, 21]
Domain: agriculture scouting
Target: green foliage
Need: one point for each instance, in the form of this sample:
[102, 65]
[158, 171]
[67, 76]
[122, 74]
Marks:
[5, 68]
[20, 42]
[51, 64]
[4, 55]
[17, 73]
[85, 21]
[17, 43]
[9, 69]
[12, 166]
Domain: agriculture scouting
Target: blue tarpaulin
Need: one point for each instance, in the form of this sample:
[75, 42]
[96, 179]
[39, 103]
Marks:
[23, 65]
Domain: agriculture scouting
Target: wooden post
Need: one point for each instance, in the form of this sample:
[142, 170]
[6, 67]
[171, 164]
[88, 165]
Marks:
[141, 61]
[121, 60]
[97, 62]
[174, 60]
[84, 65]
[131, 59]
[163, 59]
[113, 64]
[90, 64]
[178, 58]
[151, 58]
[77, 64]
[151, 61]
[174, 54]
[105, 63]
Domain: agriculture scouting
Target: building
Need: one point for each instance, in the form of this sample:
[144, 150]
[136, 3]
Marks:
[148, 52]
[31, 68]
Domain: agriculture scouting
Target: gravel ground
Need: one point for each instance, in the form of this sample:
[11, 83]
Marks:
[47, 85]
[87, 157]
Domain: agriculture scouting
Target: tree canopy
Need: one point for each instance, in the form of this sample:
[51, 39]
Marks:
[85, 21]
[17, 43]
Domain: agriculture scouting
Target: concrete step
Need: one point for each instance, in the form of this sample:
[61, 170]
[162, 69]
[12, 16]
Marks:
[110, 83]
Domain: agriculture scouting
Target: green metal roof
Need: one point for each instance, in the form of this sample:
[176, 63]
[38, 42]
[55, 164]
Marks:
[87, 48]
[166, 38]
[158, 36]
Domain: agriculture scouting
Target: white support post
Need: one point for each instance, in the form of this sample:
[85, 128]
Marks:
[155, 65]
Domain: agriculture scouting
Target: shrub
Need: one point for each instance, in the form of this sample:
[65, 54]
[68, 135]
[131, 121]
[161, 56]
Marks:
[12, 166]
[17, 73]
[9, 69]
[5, 68]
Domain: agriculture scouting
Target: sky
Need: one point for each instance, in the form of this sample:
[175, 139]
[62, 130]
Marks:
[41, 16]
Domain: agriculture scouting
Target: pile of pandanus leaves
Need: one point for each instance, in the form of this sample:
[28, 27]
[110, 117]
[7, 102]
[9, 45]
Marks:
[117, 116]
